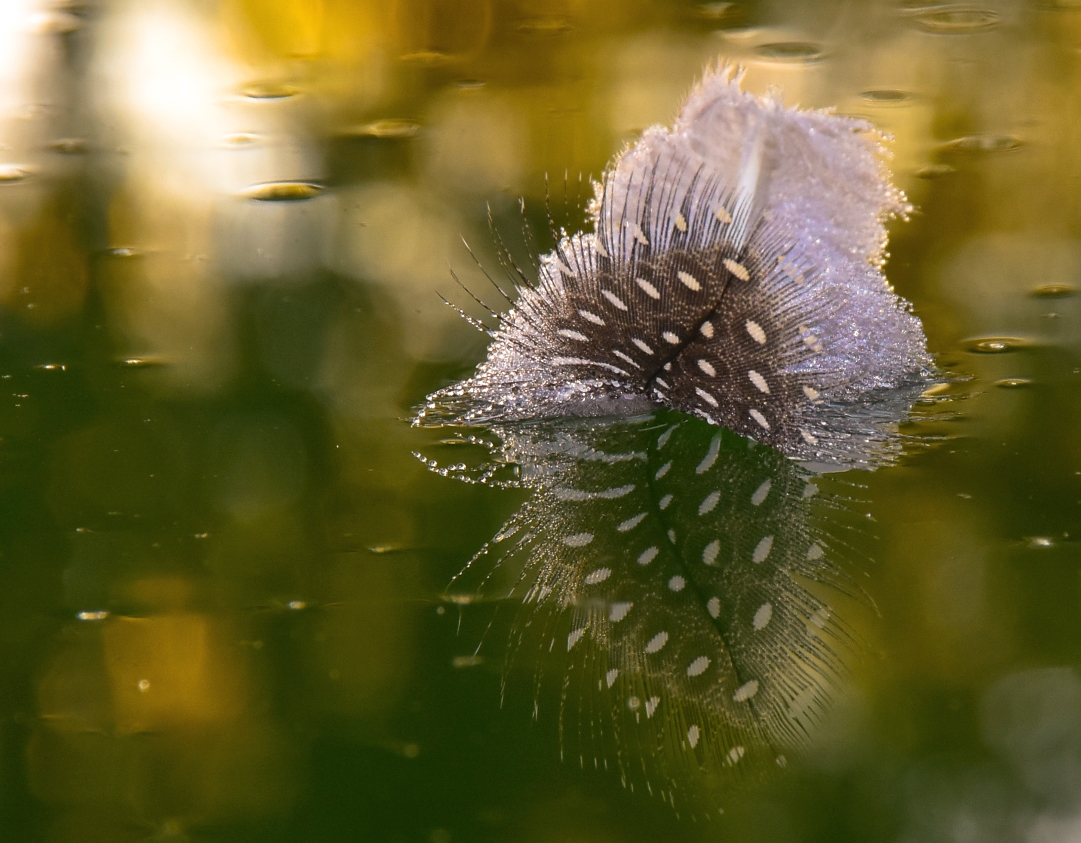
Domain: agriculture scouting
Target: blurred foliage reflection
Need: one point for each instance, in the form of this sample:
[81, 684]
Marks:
[223, 227]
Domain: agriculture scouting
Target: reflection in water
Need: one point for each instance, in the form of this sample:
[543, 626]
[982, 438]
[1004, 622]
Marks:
[671, 585]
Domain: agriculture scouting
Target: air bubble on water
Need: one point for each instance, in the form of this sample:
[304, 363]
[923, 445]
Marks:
[461, 662]
[886, 96]
[934, 171]
[69, 146]
[123, 252]
[982, 144]
[956, 21]
[545, 25]
[282, 191]
[994, 345]
[14, 173]
[269, 91]
[144, 362]
[94, 615]
[241, 140]
[296, 605]
[793, 51]
[1013, 383]
[720, 12]
[1053, 291]
[390, 128]
[1040, 542]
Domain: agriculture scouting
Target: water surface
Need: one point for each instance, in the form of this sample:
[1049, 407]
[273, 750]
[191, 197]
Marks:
[223, 572]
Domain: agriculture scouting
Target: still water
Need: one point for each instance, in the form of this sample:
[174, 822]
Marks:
[229, 607]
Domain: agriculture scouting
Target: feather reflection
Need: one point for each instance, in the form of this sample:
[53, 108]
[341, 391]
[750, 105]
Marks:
[671, 585]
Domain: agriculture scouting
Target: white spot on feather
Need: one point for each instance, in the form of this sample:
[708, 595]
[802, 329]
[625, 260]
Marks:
[707, 367]
[639, 235]
[681, 222]
[598, 576]
[763, 616]
[698, 666]
[578, 540]
[755, 330]
[665, 501]
[758, 381]
[618, 611]
[761, 492]
[670, 338]
[642, 345]
[707, 329]
[663, 470]
[811, 393]
[631, 523]
[689, 281]
[677, 583]
[762, 549]
[575, 637]
[737, 269]
[591, 317]
[651, 705]
[573, 335]
[692, 736]
[710, 503]
[648, 555]
[710, 457]
[713, 606]
[611, 676]
[710, 551]
[648, 288]
[614, 299]
[758, 417]
[815, 552]
[705, 396]
[745, 691]
[657, 642]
